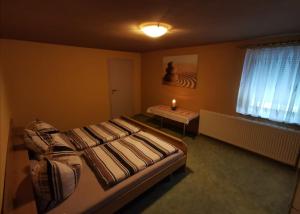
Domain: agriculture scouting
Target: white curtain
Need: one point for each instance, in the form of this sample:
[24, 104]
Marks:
[270, 84]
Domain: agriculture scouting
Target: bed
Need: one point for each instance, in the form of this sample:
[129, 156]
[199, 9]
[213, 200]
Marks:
[91, 196]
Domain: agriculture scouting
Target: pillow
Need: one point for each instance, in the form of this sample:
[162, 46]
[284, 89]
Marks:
[67, 157]
[41, 143]
[42, 127]
[37, 142]
[54, 179]
[60, 143]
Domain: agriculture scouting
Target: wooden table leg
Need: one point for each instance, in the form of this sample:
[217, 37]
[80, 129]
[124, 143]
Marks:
[183, 129]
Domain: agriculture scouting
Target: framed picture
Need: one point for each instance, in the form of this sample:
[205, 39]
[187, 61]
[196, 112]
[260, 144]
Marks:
[180, 71]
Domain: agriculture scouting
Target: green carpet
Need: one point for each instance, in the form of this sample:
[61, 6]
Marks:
[220, 179]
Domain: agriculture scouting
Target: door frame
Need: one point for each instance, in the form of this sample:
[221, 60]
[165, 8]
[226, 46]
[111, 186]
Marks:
[109, 82]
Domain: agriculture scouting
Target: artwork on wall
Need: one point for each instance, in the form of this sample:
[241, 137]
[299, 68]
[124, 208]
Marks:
[180, 71]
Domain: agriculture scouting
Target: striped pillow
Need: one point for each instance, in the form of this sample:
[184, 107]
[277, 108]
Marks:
[37, 142]
[42, 143]
[42, 127]
[60, 143]
[55, 178]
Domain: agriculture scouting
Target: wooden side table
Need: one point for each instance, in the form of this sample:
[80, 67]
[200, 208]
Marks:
[186, 117]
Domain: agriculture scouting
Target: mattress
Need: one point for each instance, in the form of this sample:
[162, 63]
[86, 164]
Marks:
[97, 134]
[90, 196]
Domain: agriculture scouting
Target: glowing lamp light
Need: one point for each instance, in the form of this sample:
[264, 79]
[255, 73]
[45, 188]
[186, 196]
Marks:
[155, 30]
[173, 106]
[173, 103]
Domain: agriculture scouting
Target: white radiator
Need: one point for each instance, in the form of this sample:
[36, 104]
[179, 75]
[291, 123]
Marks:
[278, 143]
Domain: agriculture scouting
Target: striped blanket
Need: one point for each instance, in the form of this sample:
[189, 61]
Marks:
[115, 161]
[94, 135]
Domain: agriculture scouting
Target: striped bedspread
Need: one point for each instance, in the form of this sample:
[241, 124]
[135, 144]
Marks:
[115, 161]
[94, 135]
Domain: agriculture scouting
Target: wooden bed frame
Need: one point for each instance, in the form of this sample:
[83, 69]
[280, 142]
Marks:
[118, 202]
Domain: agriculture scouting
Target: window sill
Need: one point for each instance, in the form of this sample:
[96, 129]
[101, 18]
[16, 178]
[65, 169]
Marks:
[294, 127]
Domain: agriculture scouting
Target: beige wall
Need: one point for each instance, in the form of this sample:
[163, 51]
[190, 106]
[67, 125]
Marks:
[65, 85]
[4, 128]
[219, 72]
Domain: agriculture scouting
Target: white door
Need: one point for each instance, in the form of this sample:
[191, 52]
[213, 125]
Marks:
[121, 86]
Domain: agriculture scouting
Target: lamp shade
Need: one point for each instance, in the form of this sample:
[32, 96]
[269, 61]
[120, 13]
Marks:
[155, 30]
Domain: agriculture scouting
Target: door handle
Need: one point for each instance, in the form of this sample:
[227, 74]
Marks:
[114, 91]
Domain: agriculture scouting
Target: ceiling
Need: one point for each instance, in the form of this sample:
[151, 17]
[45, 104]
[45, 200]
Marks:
[114, 24]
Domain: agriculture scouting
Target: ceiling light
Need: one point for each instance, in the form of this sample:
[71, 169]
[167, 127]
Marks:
[155, 30]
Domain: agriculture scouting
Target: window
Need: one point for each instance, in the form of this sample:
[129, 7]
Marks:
[270, 84]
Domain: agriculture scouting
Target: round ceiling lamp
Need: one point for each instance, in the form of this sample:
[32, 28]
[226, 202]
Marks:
[155, 29]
